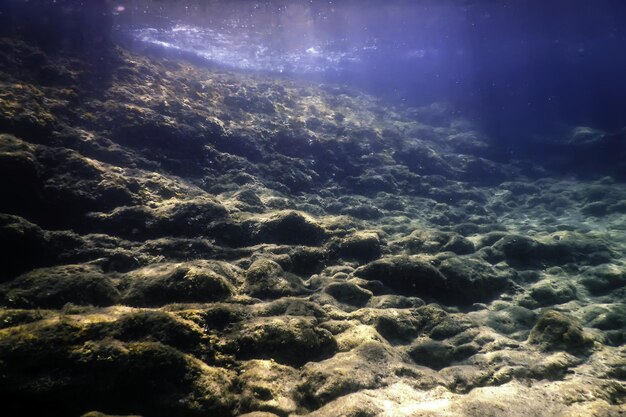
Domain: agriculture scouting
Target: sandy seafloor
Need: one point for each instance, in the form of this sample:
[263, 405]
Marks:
[180, 241]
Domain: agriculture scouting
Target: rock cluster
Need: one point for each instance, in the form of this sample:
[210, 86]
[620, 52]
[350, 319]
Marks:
[185, 241]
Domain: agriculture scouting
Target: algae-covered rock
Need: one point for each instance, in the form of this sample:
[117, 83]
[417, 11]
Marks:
[144, 377]
[557, 331]
[346, 372]
[290, 340]
[268, 386]
[24, 245]
[557, 249]
[406, 275]
[178, 240]
[348, 293]
[603, 278]
[361, 245]
[153, 326]
[398, 326]
[549, 292]
[267, 279]
[431, 353]
[472, 280]
[172, 218]
[288, 227]
[199, 281]
[53, 287]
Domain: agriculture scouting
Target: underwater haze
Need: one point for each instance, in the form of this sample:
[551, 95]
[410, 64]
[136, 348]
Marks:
[519, 68]
[312, 208]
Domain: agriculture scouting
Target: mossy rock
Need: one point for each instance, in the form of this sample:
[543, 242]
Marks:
[266, 279]
[364, 246]
[397, 326]
[348, 293]
[406, 276]
[53, 367]
[57, 286]
[557, 249]
[603, 278]
[347, 372]
[198, 281]
[268, 386]
[151, 326]
[288, 228]
[549, 292]
[171, 218]
[556, 331]
[289, 340]
[25, 246]
[431, 353]
[471, 280]
[511, 320]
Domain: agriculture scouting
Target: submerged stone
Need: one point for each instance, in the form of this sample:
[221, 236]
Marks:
[290, 340]
[557, 331]
[406, 275]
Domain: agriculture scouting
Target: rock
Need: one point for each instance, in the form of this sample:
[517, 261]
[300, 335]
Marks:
[606, 317]
[406, 276]
[364, 367]
[258, 414]
[395, 301]
[557, 249]
[268, 386]
[425, 161]
[289, 340]
[357, 335]
[395, 325]
[449, 326]
[363, 211]
[306, 260]
[549, 292]
[287, 227]
[24, 246]
[291, 306]
[372, 184]
[511, 320]
[556, 331]
[519, 249]
[363, 246]
[56, 286]
[107, 374]
[603, 278]
[172, 218]
[464, 378]
[151, 326]
[471, 280]
[214, 243]
[248, 200]
[431, 353]
[266, 279]
[198, 281]
[459, 245]
[348, 293]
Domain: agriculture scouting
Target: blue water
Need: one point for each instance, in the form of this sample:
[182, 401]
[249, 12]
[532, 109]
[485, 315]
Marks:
[519, 69]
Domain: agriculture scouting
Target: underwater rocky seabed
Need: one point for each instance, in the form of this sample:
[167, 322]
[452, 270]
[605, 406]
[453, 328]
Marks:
[179, 241]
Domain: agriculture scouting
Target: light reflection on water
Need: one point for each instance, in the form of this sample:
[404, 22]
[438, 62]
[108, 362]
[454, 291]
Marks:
[250, 51]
